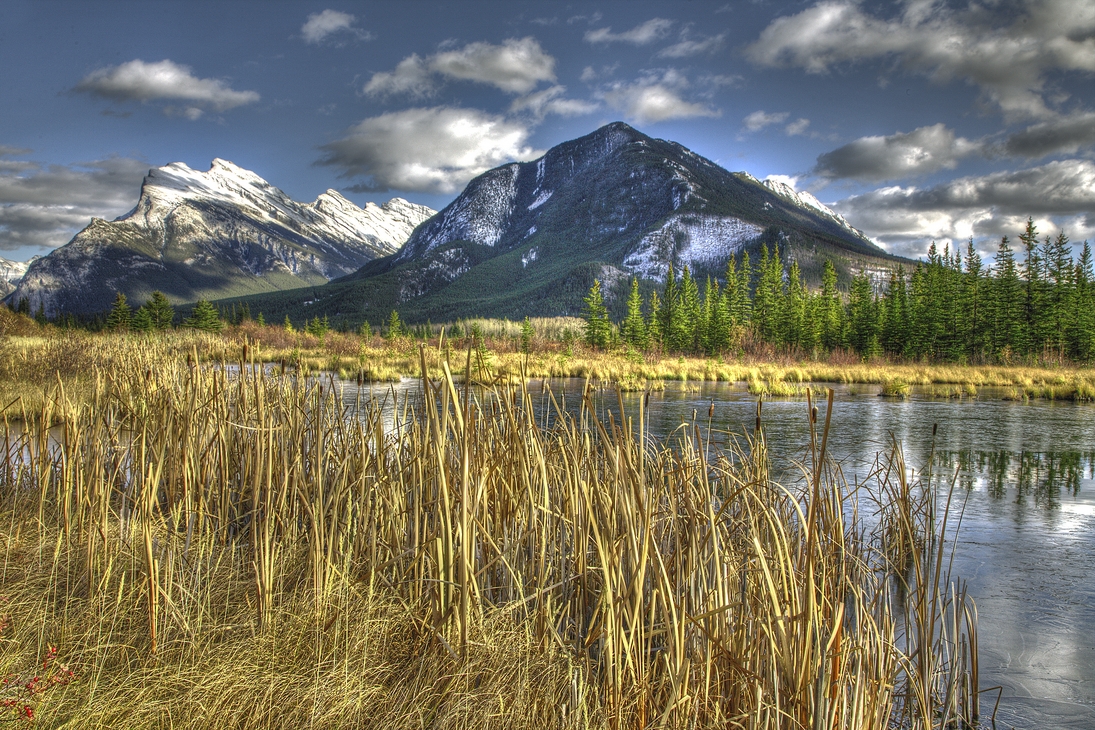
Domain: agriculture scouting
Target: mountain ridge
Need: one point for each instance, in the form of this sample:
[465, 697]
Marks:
[528, 238]
[212, 234]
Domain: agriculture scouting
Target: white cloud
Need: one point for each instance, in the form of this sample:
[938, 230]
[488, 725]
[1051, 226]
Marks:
[1060, 195]
[797, 127]
[331, 25]
[655, 97]
[411, 77]
[905, 154]
[648, 32]
[1007, 56]
[1067, 134]
[760, 119]
[516, 66]
[44, 206]
[551, 101]
[436, 150]
[164, 81]
[687, 47]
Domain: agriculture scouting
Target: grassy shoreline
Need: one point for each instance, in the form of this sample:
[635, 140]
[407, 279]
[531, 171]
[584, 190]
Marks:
[207, 551]
[31, 365]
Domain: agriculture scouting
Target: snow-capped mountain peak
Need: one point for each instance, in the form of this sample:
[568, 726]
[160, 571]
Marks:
[213, 234]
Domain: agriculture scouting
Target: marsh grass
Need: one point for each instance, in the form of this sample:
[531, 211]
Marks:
[215, 547]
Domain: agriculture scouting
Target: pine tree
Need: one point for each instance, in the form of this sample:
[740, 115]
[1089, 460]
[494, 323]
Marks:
[395, 326]
[794, 312]
[120, 314]
[260, 320]
[1032, 274]
[832, 311]
[142, 320]
[633, 328]
[862, 317]
[741, 304]
[527, 334]
[597, 328]
[204, 317]
[1058, 313]
[670, 303]
[685, 323]
[654, 336]
[1009, 311]
[974, 296]
[895, 314]
[1083, 307]
[160, 311]
[288, 325]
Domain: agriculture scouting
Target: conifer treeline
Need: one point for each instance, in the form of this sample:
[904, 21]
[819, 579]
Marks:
[951, 307]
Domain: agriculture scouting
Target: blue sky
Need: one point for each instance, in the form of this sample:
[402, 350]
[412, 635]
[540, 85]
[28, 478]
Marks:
[917, 120]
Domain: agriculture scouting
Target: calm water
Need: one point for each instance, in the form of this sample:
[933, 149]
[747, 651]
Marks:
[1027, 540]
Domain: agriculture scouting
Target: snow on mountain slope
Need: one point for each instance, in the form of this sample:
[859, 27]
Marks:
[804, 199]
[691, 239]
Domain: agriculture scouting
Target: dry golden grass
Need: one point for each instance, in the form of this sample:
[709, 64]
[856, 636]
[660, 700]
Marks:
[234, 549]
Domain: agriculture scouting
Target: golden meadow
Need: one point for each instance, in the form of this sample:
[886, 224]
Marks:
[208, 542]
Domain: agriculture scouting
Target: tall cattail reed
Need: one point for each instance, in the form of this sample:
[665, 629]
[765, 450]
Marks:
[493, 559]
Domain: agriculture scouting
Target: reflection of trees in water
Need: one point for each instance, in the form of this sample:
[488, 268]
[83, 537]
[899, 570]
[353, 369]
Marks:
[1039, 475]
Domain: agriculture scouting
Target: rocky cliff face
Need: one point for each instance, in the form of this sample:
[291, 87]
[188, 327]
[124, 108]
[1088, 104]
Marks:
[214, 234]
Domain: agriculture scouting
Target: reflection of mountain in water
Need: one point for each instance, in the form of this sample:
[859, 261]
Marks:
[1040, 475]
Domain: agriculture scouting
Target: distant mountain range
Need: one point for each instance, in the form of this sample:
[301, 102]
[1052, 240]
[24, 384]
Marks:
[529, 238]
[215, 234]
[11, 272]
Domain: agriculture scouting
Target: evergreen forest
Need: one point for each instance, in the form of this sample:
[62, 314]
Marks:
[1036, 302]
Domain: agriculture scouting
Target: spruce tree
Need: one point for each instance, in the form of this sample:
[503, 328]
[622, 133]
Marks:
[1009, 310]
[120, 314]
[1083, 308]
[527, 334]
[862, 317]
[1033, 294]
[895, 314]
[395, 326]
[654, 322]
[974, 299]
[142, 320]
[685, 322]
[832, 319]
[597, 327]
[160, 311]
[204, 317]
[633, 328]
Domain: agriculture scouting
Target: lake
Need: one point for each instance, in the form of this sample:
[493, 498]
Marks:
[1026, 544]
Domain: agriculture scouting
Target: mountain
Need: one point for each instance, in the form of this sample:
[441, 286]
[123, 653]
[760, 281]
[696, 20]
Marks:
[214, 234]
[11, 272]
[529, 238]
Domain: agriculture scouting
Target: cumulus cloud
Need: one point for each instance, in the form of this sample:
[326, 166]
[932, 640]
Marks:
[655, 97]
[1064, 135]
[164, 81]
[760, 119]
[648, 32]
[551, 101]
[331, 26]
[41, 207]
[905, 154]
[1061, 195]
[689, 47]
[797, 127]
[1007, 56]
[516, 66]
[435, 150]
